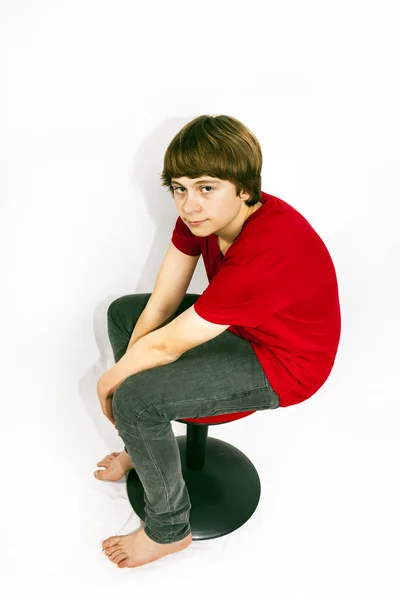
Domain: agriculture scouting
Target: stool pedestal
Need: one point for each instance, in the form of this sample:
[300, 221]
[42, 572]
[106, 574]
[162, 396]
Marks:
[223, 484]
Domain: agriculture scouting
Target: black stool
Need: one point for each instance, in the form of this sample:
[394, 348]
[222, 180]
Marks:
[223, 484]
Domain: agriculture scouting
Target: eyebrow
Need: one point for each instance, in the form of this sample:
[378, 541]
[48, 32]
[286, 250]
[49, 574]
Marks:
[199, 181]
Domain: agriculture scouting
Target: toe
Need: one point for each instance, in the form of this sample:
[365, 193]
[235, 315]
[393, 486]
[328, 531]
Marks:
[123, 563]
[119, 556]
[111, 541]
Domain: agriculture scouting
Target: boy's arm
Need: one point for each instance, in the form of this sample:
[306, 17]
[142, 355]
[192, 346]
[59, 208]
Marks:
[141, 356]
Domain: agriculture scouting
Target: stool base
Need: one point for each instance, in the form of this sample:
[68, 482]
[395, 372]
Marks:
[224, 493]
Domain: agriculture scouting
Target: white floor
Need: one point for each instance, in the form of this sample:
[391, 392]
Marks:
[326, 526]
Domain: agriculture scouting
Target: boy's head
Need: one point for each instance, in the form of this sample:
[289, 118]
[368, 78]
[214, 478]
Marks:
[218, 147]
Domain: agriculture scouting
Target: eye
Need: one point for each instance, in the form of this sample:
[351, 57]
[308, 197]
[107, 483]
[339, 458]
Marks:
[204, 186]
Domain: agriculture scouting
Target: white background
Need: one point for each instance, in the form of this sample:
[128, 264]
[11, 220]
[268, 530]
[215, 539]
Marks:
[92, 92]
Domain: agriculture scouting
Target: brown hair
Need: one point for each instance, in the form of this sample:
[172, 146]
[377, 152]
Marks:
[218, 146]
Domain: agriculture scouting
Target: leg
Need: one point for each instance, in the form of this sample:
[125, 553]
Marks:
[152, 446]
[122, 316]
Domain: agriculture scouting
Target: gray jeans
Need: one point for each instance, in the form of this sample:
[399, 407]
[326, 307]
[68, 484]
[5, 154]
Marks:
[219, 377]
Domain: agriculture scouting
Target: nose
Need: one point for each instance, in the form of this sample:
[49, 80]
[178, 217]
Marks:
[191, 214]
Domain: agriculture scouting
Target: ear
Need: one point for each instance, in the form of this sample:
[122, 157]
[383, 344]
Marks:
[244, 195]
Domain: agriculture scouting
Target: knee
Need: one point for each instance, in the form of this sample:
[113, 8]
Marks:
[114, 307]
[125, 402]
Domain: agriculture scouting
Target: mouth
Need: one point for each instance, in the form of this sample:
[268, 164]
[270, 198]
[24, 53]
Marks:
[196, 222]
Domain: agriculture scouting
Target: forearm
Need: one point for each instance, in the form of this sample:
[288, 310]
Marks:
[149, 321]
[141, 356]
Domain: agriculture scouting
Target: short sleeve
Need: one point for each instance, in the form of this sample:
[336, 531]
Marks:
[184, 240]
[245, 292]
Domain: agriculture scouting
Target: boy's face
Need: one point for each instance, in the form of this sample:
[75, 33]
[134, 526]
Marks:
[211, 200]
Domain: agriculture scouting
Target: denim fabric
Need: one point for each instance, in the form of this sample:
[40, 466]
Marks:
[219, 377]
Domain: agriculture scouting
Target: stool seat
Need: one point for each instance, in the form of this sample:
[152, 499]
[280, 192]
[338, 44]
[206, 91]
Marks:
[223, 484]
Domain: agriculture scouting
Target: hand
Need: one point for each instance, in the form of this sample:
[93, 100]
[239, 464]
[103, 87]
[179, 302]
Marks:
[105, 400]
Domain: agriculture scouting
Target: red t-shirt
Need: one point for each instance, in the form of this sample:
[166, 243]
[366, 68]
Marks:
[276, 286]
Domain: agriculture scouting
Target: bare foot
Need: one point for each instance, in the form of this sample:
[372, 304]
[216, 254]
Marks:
[138, 549]
[116, 465]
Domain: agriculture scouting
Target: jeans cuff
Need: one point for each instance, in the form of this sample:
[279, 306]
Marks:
[159, 541]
